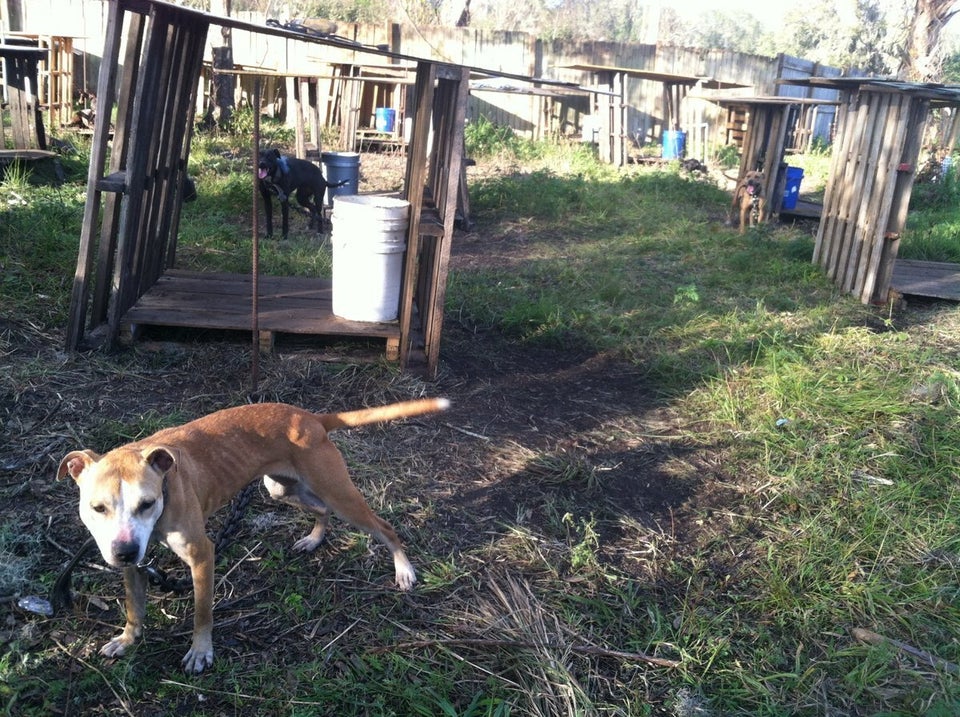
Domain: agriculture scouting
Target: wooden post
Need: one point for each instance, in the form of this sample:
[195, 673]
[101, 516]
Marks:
[255, 263]
[224, 83]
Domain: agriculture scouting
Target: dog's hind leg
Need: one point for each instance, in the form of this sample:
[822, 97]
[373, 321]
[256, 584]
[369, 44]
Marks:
[293, 492]
[307, 198]
[326, 486]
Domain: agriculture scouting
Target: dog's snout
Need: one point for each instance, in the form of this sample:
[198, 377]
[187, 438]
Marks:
[125, 551]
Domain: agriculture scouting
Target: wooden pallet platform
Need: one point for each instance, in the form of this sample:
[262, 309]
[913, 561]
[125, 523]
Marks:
[933, 279]
[8, 156]
[219, 301]
[804, 209]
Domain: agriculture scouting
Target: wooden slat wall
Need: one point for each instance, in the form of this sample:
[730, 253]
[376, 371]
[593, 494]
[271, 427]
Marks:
[141, 195]
[23, 107]
[866, 198]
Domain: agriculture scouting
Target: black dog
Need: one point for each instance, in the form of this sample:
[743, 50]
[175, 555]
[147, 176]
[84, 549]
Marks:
[282, 176]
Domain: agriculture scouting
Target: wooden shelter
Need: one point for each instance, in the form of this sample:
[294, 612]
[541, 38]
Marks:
[878, 143]
[611, 104]
[339, 94]
[125, 276]
[553, 111]
[765, 129]
[54, 74]
[22, 132]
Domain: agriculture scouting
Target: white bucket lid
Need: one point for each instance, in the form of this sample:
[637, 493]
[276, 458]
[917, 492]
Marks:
[349, 203]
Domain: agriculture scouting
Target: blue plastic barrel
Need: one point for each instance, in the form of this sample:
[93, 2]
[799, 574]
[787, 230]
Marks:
[339, 167]
[385, 118]
[791, 190]
[674, 144]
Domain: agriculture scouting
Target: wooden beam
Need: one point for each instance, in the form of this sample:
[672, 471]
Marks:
[101, 132]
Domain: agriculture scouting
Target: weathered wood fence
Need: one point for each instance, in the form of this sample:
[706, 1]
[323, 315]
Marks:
[507, 55]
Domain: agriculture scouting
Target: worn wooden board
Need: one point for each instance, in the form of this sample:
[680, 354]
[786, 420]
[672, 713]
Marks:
[933, 279]
[291, 305]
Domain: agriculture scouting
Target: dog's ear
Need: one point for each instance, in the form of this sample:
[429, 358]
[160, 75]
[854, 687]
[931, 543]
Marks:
[273, 153]
[161, 458]
[74, 463]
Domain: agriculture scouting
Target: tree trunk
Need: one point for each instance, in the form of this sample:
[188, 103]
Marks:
[923, 54]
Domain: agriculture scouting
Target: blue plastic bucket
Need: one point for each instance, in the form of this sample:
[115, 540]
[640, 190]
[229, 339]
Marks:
[339, 167]
[385, 119]
[674, 144]
[791, 190]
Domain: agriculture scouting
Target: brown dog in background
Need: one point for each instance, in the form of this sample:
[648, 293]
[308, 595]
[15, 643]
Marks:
[749, 191]
[166, 486]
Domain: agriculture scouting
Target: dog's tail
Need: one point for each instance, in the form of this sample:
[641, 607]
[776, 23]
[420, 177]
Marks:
[379, 414]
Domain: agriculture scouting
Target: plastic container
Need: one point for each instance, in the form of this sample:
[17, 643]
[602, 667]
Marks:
[674, 144]
[791, 190]
[945, 166]
[369, 237]
[340, 166]
[589, 129]
[385, 119]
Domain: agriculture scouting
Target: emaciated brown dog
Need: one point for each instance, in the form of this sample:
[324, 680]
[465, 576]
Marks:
[748, 200]
[167, 485]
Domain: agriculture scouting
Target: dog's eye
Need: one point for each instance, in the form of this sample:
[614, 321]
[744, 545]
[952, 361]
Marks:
[146, 505]
[99, 508]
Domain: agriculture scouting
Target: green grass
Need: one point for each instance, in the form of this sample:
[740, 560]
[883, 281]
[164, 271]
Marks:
[850, 431]
[834, 426]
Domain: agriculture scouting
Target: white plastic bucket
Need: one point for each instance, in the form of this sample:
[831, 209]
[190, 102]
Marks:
[369, 237]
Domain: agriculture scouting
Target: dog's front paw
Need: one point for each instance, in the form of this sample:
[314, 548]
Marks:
[406, 577]
[196, 661]
[307, 544]
[117, 646]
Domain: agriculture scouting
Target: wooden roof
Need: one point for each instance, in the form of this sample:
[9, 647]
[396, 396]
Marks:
[311, 35]
[491, 84]
[768, 100]
[709, 83]
[635, 73]
[942, 95]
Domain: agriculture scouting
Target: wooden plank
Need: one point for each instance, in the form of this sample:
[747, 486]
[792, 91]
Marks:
[151, 245]
[876, 206]
[118, 162]
[144, 119]
[85, 255]
[294, 305]
[821, 249]
[190, 87]
[413, 191]
[938, 280]
[851, 190]
[774, 151]
[865, 190]
[26, 155]
[454, 144]
[174, 150]
[895, 214]
[829, 238]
